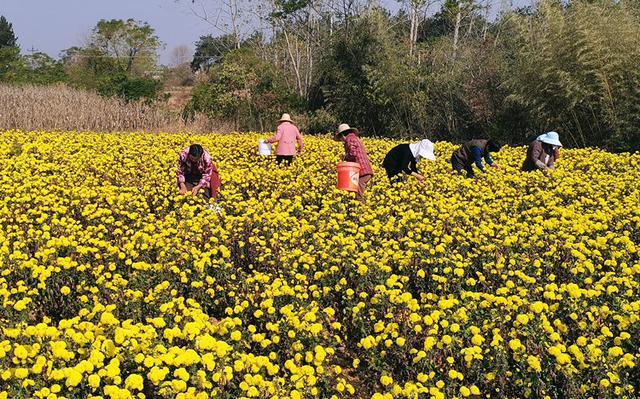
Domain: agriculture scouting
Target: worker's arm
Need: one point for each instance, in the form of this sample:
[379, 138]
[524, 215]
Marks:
[350, 150]
[540, 164]
[410, 168]
[408, 163]
[477, 156]
[414, 171]
[487, 158]
[275, 138]
[299, 139]
[536, 151]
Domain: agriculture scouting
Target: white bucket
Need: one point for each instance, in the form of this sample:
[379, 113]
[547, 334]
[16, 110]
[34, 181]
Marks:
[264, 149]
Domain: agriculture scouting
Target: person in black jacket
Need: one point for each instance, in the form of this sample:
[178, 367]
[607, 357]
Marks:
[404, 157]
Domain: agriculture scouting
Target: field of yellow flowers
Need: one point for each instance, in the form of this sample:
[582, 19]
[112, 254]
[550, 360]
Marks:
[512, 285]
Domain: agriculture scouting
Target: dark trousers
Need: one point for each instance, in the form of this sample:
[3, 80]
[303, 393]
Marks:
[458, 165]
[287, 159]
[394, 176]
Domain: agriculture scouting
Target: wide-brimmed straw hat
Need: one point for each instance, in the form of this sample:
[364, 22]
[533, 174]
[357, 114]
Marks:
[285, 118]
[344, 128]
[551, 138]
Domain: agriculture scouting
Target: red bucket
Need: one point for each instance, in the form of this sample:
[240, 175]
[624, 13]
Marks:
[348, 176]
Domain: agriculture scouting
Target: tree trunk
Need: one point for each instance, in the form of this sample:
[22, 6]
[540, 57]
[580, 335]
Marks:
[414, 29]
[233, 5]
[260, 122]
[294, 63]
[310, 64]
[456, 32]
[470, 25]
[485, 26]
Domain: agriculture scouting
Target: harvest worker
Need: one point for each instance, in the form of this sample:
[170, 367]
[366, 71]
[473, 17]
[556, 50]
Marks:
[543, 152]
[403, 158]
[287, 134]
[472, 152]
[195, 171]
[354, 152]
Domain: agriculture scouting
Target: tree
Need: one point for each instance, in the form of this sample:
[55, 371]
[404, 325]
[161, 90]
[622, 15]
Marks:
[119, 53]
[71, 55]
[40, 68]
[179, 72]
[584, 81]
[127, 87]
[244, 90]
[211, 50]
[365, 80]
[417, 9]
[85, 65]
[133, 45]
[436, 26]
[180, 55]
[557, 65]
[298, 49]
[7, 36]
[9, 50]
[459, 10]
[227, 17]
[302, 31]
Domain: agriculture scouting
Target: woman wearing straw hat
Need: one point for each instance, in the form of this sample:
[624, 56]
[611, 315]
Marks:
[287, 134]
[543, 152]
[354, 151]
[403, 158]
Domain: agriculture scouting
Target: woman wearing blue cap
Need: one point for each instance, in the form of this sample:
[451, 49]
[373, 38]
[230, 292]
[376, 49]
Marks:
[543, 152]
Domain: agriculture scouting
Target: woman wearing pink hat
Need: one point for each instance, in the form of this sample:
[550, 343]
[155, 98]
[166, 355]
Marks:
[287, 134]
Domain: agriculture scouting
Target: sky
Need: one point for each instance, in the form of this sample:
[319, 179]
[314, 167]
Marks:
[51, 26]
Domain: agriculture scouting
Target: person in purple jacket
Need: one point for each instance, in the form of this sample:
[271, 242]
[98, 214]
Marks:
[287, 135]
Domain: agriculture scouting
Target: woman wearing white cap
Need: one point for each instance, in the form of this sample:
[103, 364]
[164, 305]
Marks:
[543, 152]
[403, 158]
[287, 134]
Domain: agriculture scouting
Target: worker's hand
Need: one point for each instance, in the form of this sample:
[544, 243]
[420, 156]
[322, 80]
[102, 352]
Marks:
[183, 189]
[495, 165]
[420, 178]
[195, 190]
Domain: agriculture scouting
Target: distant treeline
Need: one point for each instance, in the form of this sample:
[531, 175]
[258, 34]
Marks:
[571, 67]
